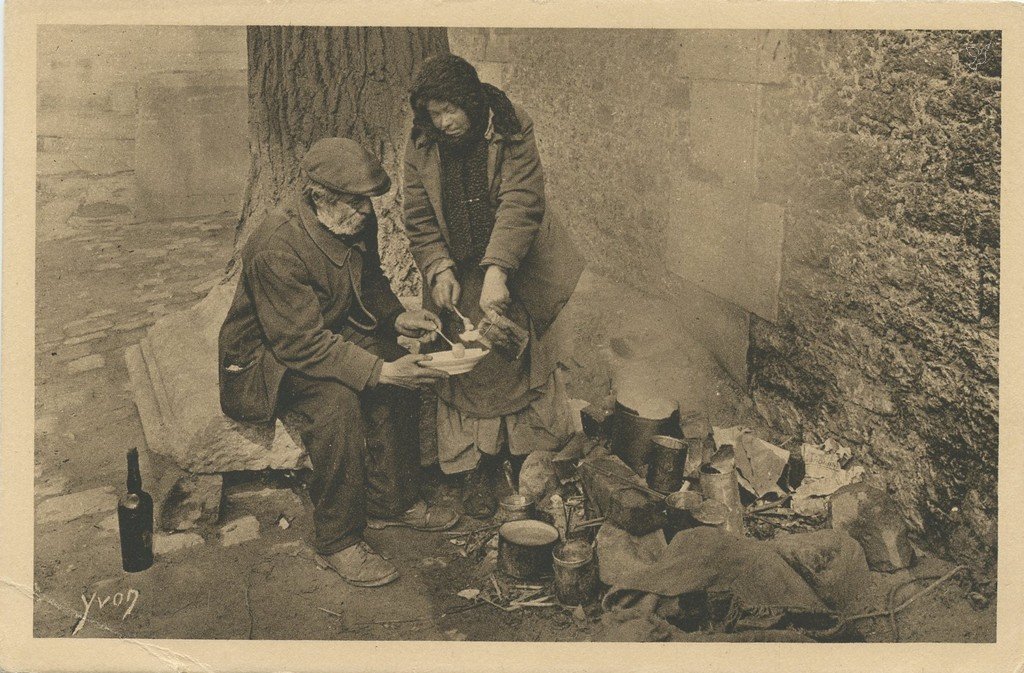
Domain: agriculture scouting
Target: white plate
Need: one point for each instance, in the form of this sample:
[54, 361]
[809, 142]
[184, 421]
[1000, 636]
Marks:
[447, 362]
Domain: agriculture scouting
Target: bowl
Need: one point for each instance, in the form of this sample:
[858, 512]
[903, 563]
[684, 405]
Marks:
[447, 362]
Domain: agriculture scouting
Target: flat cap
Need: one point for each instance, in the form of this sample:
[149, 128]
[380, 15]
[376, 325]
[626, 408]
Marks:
[344, 165]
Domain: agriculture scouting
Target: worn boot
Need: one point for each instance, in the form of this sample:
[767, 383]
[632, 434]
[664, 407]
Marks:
[478, 499]
[420, 516]
[361, 566]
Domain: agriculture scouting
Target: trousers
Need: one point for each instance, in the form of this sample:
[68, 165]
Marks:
[364, 448]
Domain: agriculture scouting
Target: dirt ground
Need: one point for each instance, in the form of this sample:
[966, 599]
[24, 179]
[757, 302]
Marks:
[101, 280]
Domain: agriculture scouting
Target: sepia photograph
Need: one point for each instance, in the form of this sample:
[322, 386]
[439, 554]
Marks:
[514, 334]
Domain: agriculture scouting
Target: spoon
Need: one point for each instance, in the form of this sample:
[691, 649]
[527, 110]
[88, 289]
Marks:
[467, 324]
[450, 342]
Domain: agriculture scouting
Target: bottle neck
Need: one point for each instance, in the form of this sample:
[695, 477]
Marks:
[134, 473]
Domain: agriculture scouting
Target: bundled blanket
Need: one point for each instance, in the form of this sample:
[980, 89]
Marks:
[734, 583]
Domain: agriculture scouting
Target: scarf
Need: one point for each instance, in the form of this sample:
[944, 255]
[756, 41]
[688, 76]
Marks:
[466, 200]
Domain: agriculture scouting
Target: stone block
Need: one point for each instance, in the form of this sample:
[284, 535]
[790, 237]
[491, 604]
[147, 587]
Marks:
[617, 493]
[723, 132]
[499, 46]
[240, 530]
[757, 56]
[193, 501]
[493, 73]
[191, 148]
[871, 517]
[67, 508]
[169, 543]
[174, 379]
[728, 245]
[86, 364]
[469, 43]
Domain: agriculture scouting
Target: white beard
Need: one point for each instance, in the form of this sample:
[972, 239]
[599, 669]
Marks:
[337, 222]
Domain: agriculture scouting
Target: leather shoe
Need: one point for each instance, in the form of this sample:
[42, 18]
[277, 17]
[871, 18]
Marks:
[361, 566]
[420, 516]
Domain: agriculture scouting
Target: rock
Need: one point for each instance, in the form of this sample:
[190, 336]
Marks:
[870, 517]
[88, 363]
[537, 478]
[240, 530]
[174, 379]
[194, 500]
[109, 524]
[164, 543]
[606, 481]
[66, 508]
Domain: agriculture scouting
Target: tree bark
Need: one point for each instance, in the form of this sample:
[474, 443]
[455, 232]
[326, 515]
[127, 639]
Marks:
[307, 83]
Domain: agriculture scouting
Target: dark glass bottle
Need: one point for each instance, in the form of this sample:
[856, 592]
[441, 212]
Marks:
[135, 520]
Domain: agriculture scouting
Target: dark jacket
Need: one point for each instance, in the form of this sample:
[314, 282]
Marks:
[544, 264]
[301, 292]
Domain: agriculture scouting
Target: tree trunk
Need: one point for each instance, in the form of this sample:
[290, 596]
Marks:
[307, 83]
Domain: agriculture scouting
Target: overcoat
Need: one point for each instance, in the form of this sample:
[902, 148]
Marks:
[305, 301]
[543, 263]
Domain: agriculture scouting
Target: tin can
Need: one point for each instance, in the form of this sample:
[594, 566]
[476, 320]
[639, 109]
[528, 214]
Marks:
[516, 507]
[667, 461]
[576, 579]
[679, 511]
[723, 487]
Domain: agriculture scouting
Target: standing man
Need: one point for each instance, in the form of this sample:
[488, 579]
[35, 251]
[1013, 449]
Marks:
[311, 337]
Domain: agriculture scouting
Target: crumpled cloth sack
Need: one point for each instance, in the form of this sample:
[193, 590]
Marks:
[832, 563]
[757, 586]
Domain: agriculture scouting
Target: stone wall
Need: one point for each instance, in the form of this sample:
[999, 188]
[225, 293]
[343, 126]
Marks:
[884, 150]
[822, 205]
[166, 104]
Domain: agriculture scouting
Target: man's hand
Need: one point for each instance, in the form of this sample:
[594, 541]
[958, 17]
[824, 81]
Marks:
[494, 295]
[407, 372]
[419, 324]
[446, 290]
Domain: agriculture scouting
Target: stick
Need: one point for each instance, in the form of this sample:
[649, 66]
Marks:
[506, 468]
[527, 586]
[590, 522]
[772, 505]
[904, 604]
[490, 602]
[497, 589]
[331, 612]
[624, 480]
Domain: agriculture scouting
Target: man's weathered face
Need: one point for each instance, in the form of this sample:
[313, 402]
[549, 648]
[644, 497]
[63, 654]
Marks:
[344, 214]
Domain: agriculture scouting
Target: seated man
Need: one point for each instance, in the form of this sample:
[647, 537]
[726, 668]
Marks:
[311, 337]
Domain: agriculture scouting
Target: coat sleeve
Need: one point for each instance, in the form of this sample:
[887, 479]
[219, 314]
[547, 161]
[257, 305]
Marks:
[425, 240]
[289, 313]
[520, 201]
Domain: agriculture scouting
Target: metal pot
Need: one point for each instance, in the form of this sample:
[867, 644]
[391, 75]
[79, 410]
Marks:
[632, 434]
[524, 548]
